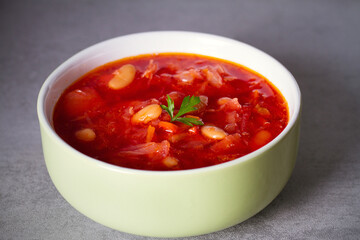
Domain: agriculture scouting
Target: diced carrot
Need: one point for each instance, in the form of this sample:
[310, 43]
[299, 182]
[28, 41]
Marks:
[255, 95]
[150, 133]
[262, 111]
[168, 127]
[192, 116]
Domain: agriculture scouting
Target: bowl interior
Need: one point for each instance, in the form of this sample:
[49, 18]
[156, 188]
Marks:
[157, 42]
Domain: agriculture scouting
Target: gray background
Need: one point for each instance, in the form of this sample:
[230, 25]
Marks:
[318, 41]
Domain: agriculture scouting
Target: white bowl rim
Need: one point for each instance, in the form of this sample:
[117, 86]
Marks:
[47, 126]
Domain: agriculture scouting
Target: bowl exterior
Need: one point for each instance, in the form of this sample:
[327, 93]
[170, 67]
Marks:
[175, 203]
[170, 205]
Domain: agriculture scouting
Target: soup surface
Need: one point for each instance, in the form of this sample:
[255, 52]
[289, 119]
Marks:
[169, 111]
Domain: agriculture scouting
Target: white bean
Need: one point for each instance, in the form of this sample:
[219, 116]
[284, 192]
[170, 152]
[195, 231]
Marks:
[170, 161]
[147, 114]
[86, 135]
[122, 77]
[213, 132]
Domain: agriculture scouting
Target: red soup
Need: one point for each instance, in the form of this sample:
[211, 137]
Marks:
[170, 111]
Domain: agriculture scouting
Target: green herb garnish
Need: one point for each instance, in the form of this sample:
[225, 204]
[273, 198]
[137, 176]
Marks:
[187, 105]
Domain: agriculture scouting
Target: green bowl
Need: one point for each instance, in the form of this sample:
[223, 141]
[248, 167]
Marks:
[173, 203]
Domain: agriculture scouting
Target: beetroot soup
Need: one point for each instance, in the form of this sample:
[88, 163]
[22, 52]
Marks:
[170, 111]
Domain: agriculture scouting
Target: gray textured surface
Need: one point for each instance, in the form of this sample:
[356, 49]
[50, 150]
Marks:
[319, 42]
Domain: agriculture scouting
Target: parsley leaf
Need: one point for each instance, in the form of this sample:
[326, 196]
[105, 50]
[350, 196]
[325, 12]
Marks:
[170, 108]
[189, 121]
[187, 105]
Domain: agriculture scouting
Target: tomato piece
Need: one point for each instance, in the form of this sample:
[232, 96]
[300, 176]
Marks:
[78, 102]
[168, 127]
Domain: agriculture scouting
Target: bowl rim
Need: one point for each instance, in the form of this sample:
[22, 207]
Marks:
[248, 157]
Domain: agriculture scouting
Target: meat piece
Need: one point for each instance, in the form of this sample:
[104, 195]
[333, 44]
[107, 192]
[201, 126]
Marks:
[177, 97]
[220, 69]
[150, 150]
[228, 144]
[193, 145]
[213, 77]
[231, 127]
[150, 70]
[232, 117]
[177, 137]
[187, 77]
[229, 104]
[245, 119]
[138, 105]
[229, 78]
[201, 106]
